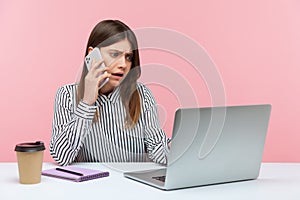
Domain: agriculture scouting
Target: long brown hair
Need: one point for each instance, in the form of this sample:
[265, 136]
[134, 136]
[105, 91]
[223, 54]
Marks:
[106, 33]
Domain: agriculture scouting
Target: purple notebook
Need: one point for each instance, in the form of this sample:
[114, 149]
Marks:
[76, 174]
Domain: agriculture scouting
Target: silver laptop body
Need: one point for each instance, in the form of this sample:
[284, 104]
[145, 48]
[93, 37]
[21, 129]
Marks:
[212, 145]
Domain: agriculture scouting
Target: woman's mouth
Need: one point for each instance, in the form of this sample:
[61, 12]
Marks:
[117, 74]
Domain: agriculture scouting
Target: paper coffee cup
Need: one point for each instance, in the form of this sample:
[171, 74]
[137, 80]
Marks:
[30, 159]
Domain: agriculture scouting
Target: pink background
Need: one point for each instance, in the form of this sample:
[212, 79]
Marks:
[255, 45]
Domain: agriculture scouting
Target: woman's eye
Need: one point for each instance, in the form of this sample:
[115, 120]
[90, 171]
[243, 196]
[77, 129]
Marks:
[129, 57]
[114, 54]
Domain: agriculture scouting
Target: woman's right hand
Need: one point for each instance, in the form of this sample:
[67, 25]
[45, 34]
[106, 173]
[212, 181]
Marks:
[92, 82]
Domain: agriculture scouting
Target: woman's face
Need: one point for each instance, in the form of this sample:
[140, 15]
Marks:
[118, 58]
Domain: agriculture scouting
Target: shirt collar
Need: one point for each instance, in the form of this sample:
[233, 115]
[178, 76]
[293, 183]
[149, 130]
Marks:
[112, 97]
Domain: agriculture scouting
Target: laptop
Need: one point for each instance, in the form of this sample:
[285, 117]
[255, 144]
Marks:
[212, 145]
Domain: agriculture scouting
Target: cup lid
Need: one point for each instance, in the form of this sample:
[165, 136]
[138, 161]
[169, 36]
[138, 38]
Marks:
[30, 146]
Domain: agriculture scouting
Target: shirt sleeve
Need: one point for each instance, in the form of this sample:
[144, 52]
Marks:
[69, 126]
[155, 138]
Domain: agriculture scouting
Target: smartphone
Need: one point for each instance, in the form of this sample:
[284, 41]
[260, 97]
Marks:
[96, 56]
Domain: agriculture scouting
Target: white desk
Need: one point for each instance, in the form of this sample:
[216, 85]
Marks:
[276, 181]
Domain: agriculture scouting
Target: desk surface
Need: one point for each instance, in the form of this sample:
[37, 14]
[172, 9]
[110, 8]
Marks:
[276, 181]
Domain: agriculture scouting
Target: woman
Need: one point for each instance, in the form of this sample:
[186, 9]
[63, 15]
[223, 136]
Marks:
[116, 123]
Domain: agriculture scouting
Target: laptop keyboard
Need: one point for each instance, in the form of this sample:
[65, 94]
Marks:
[160, 178]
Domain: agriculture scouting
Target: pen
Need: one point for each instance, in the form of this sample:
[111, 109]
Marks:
[69, 171]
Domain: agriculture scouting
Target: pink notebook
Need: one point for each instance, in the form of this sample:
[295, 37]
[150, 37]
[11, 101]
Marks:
[76, 174]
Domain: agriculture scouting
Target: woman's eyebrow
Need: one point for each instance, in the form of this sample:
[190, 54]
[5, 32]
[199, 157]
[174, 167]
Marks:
[121, 51]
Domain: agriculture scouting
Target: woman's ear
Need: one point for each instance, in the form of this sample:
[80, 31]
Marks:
[90, 49]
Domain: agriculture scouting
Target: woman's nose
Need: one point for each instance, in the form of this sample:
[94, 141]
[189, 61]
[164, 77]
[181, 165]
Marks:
[122, 62]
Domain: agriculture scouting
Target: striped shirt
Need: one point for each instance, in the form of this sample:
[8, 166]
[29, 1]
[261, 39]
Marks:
[76, 138]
